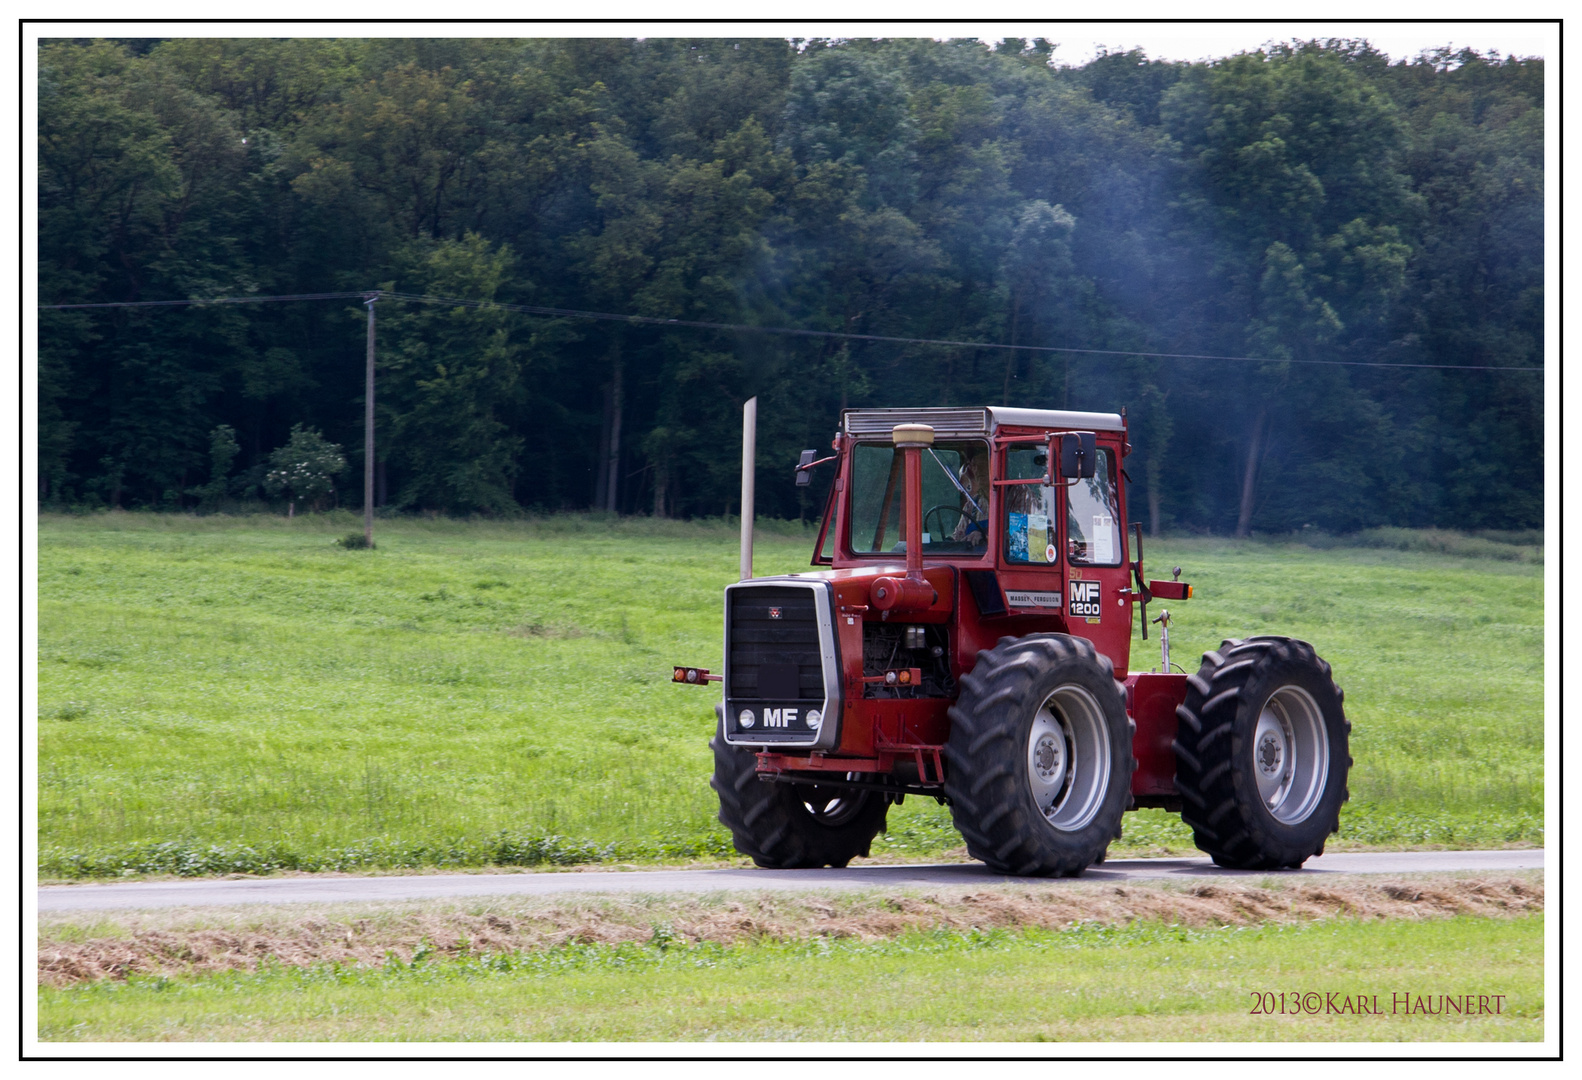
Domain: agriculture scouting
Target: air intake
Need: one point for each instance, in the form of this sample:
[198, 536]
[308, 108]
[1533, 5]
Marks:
[945, 422]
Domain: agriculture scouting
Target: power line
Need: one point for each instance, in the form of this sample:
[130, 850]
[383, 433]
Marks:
[649, 320]
[783, 331]
[215, 300]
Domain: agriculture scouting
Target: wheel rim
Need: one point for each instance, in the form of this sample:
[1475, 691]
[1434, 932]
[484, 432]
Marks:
[1068, 758]
[832, 806]
[1290, 755]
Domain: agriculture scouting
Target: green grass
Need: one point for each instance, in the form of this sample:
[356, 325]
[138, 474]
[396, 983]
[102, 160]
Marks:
[220, 695]
[1143, 982]
[1524, 545]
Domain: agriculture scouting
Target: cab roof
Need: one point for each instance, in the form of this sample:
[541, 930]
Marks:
[979, 421]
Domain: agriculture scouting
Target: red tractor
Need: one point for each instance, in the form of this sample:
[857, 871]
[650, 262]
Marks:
[967, 636]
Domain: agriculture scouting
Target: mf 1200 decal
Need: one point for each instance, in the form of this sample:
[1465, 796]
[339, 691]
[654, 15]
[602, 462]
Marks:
[1085, 600]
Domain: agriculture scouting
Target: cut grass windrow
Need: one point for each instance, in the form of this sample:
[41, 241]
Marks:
[182, 943]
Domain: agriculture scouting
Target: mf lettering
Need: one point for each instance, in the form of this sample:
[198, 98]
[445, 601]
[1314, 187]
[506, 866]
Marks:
[1085, 600]
[779, 717]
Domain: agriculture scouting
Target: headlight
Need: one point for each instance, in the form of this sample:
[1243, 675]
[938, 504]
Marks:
[813, 719]
[746, 718]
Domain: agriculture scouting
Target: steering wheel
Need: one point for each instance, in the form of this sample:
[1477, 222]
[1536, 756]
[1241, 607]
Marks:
[943, 532]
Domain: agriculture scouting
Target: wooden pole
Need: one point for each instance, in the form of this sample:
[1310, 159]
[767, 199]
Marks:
[612, 501]
[749, 460]
[368, 431]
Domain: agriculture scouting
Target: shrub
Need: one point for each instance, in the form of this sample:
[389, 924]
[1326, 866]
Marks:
[305, 468]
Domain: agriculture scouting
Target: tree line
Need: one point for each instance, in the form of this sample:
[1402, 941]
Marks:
[1314, 201]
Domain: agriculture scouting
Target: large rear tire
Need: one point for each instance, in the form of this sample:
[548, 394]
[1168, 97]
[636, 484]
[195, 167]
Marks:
[1039, 761]
[790, 826]
[1262, 753]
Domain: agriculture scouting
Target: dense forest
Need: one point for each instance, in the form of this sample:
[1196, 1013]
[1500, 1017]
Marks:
[1311, 202]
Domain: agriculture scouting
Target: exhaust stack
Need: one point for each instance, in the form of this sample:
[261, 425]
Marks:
[912, 440]
[749, 456]
[912, 592]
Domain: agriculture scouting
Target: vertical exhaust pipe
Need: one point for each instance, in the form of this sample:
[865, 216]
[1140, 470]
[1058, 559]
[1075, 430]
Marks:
[749, 458]
[913, 526]
[912, 592]
[912, 440]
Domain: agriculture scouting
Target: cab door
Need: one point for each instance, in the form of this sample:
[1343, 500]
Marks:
[1031, 567]
[1093, 543]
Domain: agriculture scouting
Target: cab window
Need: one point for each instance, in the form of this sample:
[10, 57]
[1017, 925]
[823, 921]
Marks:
[1093, 520]
[955, 498]
[1029, 508]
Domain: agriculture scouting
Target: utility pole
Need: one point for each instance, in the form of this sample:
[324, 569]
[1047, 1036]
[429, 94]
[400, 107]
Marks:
[611, 502]
[368, 430]
[749, 477]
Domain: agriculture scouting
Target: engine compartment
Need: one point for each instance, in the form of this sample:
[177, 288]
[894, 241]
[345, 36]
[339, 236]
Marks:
[887, 646]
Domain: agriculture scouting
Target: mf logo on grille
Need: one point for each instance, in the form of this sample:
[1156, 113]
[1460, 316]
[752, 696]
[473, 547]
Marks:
[774, 613]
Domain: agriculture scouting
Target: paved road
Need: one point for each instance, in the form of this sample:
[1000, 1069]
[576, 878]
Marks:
[328, 890]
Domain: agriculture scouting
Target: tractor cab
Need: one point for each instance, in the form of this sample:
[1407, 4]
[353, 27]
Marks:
[1038, 542]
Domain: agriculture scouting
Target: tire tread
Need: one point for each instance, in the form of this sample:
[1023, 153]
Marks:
[770, 826]
[983, 754]
[1230, 827]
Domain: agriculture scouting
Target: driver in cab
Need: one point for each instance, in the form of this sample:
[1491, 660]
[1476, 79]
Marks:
[974, 479]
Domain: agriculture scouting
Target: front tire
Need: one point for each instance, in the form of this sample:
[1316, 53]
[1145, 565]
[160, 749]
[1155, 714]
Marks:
[1039, 760]
[790, 826]
[1262, 753]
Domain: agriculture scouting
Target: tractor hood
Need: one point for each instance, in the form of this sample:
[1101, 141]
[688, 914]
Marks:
[882, 589]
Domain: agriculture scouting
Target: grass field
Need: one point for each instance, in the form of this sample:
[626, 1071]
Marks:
[1148, 981]
[239, 695]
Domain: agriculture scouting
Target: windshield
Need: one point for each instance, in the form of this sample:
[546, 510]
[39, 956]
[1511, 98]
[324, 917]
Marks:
[955, 498]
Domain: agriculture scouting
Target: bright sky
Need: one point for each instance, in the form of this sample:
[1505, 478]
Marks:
[1078, 41]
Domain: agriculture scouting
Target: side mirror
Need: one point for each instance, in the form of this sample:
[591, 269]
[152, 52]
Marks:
[804, 475]
[1078, 457]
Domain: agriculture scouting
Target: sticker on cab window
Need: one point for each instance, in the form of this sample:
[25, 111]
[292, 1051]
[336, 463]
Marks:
[1037, 535]
[1103, 538]
[1016, 526]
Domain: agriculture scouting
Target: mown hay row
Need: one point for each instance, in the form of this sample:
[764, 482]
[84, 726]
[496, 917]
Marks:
[181, 944]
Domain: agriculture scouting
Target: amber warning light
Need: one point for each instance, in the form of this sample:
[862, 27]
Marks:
[898, 677]
[694, 675]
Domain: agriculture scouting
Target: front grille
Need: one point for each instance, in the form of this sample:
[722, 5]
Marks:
[769, 653]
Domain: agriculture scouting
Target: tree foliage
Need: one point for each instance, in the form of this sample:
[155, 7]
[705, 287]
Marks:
[1310, 202]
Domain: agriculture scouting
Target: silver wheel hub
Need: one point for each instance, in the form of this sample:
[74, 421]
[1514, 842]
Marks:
[1290, 750]
[832, 807]
[1049, 758]
[1068, 758]
[1271, 754]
